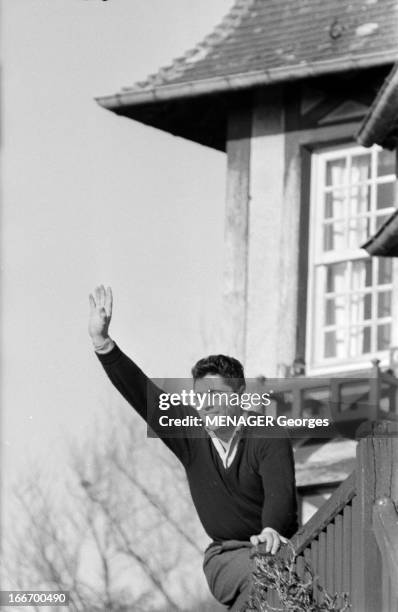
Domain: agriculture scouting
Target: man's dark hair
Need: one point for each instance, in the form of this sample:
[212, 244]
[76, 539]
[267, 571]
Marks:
[226, 367]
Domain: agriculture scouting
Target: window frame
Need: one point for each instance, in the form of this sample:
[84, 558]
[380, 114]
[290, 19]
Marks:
[318, 258]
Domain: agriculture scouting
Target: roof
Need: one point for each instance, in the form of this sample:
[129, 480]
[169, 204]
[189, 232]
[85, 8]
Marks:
[264, 41]
[380, 125]
[259, 43]
[384, 243]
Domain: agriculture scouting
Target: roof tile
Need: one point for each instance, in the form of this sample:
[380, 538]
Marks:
[269, 34]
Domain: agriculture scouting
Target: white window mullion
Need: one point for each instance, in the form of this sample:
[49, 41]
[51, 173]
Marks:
[321, 306]
[348, 218]
[348, 298]
[373, 193]
[373, 332]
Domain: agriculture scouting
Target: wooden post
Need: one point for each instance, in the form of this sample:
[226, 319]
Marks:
[385, 527]
[385, 516]
[373, 476]
[374, 391]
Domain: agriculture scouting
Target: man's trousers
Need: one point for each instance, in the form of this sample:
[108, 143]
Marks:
[227, 568]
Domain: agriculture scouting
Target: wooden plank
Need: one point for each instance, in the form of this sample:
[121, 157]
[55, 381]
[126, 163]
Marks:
[347, 549]
[353, 544]
[385, 528]
[326, 513]
[315, 563]
[330, 564]
[322, 558]
[308, 561]
[338, 553]
[307, 556]
[314, 555]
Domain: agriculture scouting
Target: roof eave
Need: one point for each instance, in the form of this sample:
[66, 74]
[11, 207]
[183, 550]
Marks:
[380, 123]
[384, 243]
[136, 97]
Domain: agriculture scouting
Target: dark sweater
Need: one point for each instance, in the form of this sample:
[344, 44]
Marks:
[257, 490]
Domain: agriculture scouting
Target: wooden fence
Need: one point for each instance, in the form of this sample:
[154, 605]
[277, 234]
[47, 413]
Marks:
[352, 541]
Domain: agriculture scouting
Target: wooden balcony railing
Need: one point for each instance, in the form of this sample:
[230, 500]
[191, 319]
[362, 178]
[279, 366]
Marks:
[346, 400]
[351, 543]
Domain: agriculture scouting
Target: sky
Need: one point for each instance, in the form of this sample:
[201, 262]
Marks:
[89, 198]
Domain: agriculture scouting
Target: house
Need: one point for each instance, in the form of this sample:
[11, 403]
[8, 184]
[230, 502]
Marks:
[284, 88]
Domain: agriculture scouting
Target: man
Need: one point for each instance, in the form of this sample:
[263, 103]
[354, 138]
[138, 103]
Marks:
[242, 484]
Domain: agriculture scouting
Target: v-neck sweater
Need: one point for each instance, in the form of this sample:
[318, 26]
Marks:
[233, 503]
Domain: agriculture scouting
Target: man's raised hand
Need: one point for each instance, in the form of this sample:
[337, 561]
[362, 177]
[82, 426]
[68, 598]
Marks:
[100, 315]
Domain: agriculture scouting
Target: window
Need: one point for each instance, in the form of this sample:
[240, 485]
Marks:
[350, 294]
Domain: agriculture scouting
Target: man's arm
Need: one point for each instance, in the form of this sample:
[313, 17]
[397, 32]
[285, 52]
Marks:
[140, 392]
[279, 514]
